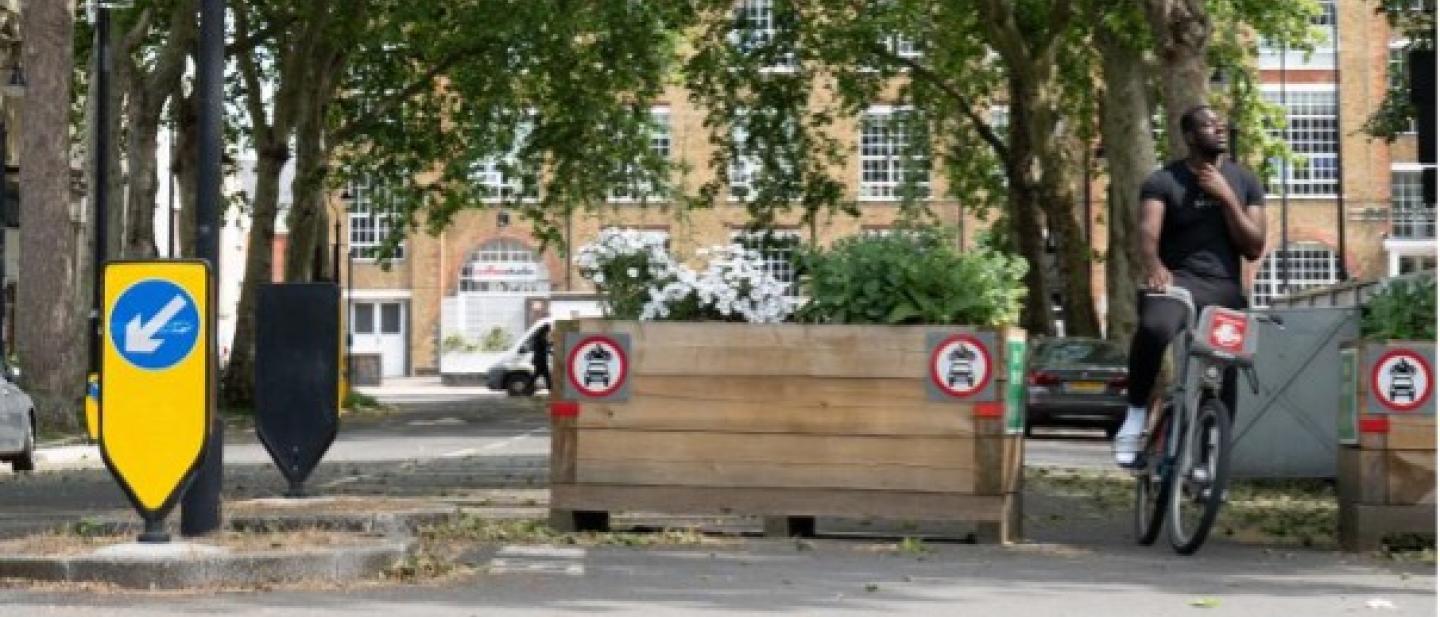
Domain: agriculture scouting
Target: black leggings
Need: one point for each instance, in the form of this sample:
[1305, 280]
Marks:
[1160, 319]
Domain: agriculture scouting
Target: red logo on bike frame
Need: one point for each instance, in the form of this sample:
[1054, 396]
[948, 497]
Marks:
[1228, 331]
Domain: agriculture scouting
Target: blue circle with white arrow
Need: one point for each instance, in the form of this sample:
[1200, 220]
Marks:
[154, 324]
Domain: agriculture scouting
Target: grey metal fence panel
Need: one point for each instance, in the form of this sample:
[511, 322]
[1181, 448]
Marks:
[1288, 430]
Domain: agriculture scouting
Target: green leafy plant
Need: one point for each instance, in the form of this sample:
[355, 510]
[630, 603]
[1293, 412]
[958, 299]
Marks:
[457, 342]
[911, 276]
[497, 339]
[1402, 310]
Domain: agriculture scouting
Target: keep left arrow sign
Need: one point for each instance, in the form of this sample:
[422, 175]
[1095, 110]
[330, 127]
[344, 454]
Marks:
[140, 336]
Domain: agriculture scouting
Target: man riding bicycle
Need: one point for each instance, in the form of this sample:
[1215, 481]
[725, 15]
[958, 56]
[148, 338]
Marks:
[1198, 216]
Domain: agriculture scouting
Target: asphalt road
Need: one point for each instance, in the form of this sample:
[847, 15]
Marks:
[1078, 559]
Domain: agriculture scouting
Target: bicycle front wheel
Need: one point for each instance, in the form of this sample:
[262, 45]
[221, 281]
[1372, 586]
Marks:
[1197, 484]
[1152, 484]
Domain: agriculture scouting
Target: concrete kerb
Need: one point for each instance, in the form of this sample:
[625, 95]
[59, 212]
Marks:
[182, 565]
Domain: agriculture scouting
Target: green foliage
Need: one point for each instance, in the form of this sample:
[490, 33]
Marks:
[1396, 114]
[1404, 310]
[912, 276]
[553, 96]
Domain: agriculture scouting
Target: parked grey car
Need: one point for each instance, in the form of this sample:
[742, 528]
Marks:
[1076, 382]
[17, 424]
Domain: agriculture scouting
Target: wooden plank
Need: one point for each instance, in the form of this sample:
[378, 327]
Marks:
[782, 404]
[1411, 476]
[1006, 530]
[1363, 527]
[713, 349]
[1374, 483]
[1013, 479]
[665, 447]
[1411, 433]
[735, 474]
[989, 458]
[1347, 476]
[885, 505]
[562, 450]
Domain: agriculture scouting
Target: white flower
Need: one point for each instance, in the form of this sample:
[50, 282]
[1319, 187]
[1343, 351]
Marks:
[633, 272]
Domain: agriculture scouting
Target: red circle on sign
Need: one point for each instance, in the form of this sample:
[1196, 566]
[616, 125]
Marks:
[955, 392]
[1424, 366]
[615, 384]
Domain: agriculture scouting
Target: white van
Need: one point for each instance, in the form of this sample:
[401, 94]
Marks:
[514, 370]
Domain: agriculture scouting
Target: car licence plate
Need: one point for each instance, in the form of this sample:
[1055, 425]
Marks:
[1085, 387]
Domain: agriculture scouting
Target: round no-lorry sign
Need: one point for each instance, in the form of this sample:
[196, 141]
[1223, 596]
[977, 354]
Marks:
[960, 366]
[597, 366]
[1401, 380]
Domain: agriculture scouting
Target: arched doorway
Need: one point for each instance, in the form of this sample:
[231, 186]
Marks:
[495, 281]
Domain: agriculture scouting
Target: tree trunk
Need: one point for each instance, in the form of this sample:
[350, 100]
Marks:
[147, 92]
[52, 341]
[307, 214]
[1129, 155]
[1024, 218]
[239, 386]
[1045, 175]
[1182, 31]
[182, 164]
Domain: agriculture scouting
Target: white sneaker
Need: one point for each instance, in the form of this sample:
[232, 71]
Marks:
[1127, 448]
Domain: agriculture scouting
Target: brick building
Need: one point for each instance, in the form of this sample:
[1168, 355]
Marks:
[480, 274]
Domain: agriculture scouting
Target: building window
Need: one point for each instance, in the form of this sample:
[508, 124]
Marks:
[372, 220]
[659, 146]
[1397, 78]
[1312, 132]
[1277, 57]
[893, 157]
[746, 165]
[756, 30]
[1310, 264]
[1410, 217]
[504, 266]
[777, 249]
[500, 178]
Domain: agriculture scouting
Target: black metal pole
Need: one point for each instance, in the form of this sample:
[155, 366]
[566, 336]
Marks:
[200, 513]
[170, 193]
[1285, 180]
[101, 157]
[4, 230]
[349, 314]
[1342, 273]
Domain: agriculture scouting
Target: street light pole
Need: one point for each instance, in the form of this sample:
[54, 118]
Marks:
[101, 157]
[200, 512]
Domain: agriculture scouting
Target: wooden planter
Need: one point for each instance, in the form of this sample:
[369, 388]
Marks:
[1386, 474]
[786, 422]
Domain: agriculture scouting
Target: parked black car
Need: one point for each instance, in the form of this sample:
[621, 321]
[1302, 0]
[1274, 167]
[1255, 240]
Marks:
[1076, 382]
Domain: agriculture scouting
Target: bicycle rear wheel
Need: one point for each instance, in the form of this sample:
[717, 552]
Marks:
[1202, 470]
[1152, 484]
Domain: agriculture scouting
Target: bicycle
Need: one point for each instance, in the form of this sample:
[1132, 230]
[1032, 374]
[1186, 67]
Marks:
[1192, 433]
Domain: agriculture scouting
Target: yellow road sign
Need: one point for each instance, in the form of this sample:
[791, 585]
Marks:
[155, 399]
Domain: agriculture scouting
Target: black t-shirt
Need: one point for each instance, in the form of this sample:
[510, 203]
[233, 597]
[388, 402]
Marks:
[1194, 238]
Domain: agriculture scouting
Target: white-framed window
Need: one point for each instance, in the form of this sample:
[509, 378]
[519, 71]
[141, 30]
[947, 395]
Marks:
[756, 28]
[1312, 130]
[371, 215]
[1309, 264]
[889, 160]
[1276, 57]
[660, 142]
[777, 248]
[504, 265]
[499, 177]
[1397, 78]
[746, 166]
[1410, 217]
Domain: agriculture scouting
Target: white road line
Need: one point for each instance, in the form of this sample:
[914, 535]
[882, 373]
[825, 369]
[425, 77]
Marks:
[495, 446]
[538, 560]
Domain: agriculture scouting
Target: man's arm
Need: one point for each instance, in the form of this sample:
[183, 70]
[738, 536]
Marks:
[1244, 221]
[1152, 219]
